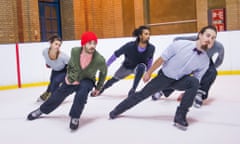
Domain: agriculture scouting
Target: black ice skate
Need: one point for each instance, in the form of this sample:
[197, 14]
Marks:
[180, 126]
[74, 123]
[112, 115]
[198, 101]
[34, 115]
[180, 119]
[157, 95]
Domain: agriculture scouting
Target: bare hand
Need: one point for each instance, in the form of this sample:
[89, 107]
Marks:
[146, 77]
[68, 83]
[75, 83]
[95, 92]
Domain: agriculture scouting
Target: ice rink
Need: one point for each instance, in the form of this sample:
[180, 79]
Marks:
[150, 122]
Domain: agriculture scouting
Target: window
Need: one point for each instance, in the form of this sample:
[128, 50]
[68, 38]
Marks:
[50, 22]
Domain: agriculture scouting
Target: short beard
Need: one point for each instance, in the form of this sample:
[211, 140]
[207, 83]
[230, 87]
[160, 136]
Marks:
[88, 50]
[146, 41]
[204, 47]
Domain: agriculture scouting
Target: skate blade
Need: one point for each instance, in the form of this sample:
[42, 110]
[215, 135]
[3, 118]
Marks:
[181, 127]
[197, 105]
[39, 100]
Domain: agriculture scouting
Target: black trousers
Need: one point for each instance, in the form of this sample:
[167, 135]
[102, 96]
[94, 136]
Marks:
[206, 82]
[208, 79]
[187, 83]
[65, 90]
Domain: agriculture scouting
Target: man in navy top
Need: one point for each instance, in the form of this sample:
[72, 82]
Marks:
[138, 57]
[181, 59]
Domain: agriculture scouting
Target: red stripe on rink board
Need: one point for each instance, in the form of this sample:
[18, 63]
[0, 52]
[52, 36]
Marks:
[18, 66]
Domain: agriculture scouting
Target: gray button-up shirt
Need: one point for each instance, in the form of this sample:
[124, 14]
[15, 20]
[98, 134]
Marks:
[217, 48]
[180, 59]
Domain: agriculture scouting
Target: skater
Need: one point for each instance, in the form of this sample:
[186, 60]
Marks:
[84, 63]
[178, 61]
[207, 79]
[138, 58]
[57, 61]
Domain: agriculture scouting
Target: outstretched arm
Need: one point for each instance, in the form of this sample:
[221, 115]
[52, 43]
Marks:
[155, 66]
[111, 60]
[220, 56]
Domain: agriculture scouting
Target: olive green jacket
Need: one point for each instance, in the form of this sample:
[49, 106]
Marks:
[76, 73]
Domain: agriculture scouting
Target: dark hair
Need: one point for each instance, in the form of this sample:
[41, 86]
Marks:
[54, 38]
[137, 32]
[212, 27]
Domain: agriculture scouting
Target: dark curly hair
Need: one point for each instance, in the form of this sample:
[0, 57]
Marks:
[137, 32]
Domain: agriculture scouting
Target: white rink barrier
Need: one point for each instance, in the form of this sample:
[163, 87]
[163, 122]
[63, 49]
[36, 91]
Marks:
[32, 69]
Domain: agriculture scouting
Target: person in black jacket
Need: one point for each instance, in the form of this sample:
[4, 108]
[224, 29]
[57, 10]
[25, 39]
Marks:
[138, 58]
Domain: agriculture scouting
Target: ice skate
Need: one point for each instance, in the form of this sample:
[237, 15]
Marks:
[157, 95]
[74, 122]
[43, 97]
[180, 119]
[40, 100]
[198, 101]
[112, 115]
[179, 126]
[34, 115]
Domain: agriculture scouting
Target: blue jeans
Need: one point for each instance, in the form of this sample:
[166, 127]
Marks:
[80, 98]
[56, 78]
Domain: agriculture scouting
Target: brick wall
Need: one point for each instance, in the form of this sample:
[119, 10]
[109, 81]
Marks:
[19, 19]
[8, 21]
[67, 20]
[30, 18]
[233, 14]
[19, 27]
[118, 18]
[104, 18]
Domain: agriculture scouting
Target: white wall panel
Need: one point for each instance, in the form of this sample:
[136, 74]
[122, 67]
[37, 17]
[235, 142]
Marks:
[33, 67]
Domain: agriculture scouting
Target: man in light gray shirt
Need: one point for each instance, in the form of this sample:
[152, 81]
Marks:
[178, 61]
[208, 78]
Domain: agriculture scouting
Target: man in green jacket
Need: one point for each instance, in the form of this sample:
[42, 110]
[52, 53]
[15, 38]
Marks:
[83, 65]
